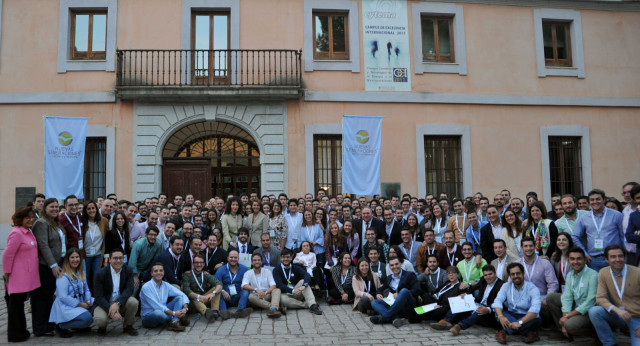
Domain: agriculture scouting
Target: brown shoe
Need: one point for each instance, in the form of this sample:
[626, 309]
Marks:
[273, 313]
[441, 325]
[243, 313]
[531, 337]
[130, 330]
[184, 320]
[225, 314]
[455, 330]
[501, 337]
[175, 326]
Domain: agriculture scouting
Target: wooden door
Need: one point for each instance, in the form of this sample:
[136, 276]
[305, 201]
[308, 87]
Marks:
[180, 177]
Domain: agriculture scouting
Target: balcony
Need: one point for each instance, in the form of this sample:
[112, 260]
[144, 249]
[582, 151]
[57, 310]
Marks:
[209, 75]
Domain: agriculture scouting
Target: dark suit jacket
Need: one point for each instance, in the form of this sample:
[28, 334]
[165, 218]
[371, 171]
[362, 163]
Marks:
[408, 280]
[395, 233]
[376, 224]
[172, 271]
[250, 248]
[482, 286]
[103, 287]
[220, 256]
[274, 256]
[443, 259]
[298, 273]
[486, 243]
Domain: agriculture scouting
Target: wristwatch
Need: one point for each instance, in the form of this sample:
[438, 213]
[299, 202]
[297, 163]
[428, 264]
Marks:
[520, 322]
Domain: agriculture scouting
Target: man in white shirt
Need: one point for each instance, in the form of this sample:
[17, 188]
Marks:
[502, 260]
[294, 224]
[409, 247]
[264, 293]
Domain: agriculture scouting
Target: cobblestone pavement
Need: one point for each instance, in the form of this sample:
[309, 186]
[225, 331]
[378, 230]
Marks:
[338, 325]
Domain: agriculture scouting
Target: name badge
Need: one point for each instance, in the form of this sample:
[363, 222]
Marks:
[462, 241]
[125, 259]
[598, 244]
[310, 271]
[232, 290]
[80, 244]
[272, 233]
[91, 251]
[289, 284]
[32, 243]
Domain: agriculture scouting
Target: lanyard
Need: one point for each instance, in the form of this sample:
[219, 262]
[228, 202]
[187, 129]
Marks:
[445, 289]
[564, 268]
[377, 271]
[437, 227]
[566, 221]
[284, 271]
[343, 278]
[513, 301]
[429, 251]
[437, 278]
[573, 284]
[474, 236]
[267, 257]
[410, 251]
[453, 257]
[231, 277]
[464, 220]
[367, 285]
[92, 227]
[206, 253]
[121, 238]
[258, 280]
[500, 268]
[201, 279]
[598, 228]
[467, 272]
[535, 230]
[78, 219]
[533, 268]
[615, 283]
[159, 292]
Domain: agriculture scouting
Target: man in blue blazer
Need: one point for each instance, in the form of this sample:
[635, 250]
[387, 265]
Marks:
[172, 261]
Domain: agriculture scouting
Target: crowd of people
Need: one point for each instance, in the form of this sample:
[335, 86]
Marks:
[398, 260]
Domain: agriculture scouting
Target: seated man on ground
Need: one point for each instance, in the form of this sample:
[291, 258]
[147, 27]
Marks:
[263, 291]
[203, 290]
[405, 289]
[293, 281]
[156, 309]
[231, 275]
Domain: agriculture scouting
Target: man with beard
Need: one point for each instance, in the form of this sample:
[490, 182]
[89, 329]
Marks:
[571, 214]
[451, 254]
[166, 234]
[203, 290]
[490, 232]
[214, 256]
[171, 260]
[143, 251]
[139, 229]
[459, 222]
[429, 247]
[498, 201]
[523, 302]
[516, 206]
[431, 279]
[231, 276]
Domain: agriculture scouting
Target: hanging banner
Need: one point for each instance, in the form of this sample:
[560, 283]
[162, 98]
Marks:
[361, 141]
[64, 141]
[387, 60]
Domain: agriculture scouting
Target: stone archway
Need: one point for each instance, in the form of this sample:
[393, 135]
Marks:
[155, 123]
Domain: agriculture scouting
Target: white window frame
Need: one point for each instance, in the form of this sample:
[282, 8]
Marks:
[65, 63]
[577, 50]
[351, 8]
[463, 131]
[459, 45]
[585, 152]
[309, 131]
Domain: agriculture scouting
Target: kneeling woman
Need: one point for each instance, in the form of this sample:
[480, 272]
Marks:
[446, 291]
[73, 305]
[342, 274]
[365, 284]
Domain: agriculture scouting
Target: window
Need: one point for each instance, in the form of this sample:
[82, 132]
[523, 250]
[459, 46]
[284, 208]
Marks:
[557, 43]
[95, 167]
[210, 31]
[327, 156]
[565, 165]
[440, 45]
[443, 165]
[88, 35]
[437, 39]
[330, 36]
[558, 35]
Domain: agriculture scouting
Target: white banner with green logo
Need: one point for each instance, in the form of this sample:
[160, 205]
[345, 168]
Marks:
[361, 141]
[64, 141]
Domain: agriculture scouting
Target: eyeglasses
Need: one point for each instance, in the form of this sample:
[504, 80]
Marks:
[117, 258]
[199, 262]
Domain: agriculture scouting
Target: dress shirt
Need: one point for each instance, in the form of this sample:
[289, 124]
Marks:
[522, 301]
[610, 233]
[395, 281]
[543, 275]
[261, 281]
[580, 291]
[115, 278]
[294, 222]
[154, 297]
[487, 292]
[565, 224]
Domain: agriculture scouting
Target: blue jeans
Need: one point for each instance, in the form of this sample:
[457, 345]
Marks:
[158, 317]
[240, 300]
[91, 266]
[531, 326]
[598, 263]
[404, 301]
[603, 320]
[81, 321]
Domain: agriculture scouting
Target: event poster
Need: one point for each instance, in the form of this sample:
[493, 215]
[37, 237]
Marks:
[64, 141]
[387, 59]
[361, 143]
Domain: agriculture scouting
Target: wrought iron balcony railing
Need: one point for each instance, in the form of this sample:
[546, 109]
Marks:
[214, 68]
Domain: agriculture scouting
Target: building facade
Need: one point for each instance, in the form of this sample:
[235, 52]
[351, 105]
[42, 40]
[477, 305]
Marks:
[229, 96]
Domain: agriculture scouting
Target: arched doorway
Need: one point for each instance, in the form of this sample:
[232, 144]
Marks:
[209, 158]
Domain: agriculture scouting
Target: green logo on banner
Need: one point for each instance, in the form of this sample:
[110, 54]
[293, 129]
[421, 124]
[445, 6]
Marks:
[362, 136]
[65, 138]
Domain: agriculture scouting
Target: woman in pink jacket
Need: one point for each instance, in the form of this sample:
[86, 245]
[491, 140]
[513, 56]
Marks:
[20, 267]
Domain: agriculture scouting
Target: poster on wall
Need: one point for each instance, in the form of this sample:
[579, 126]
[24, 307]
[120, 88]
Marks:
[64, 142]
[361, 143]
[387, 60]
